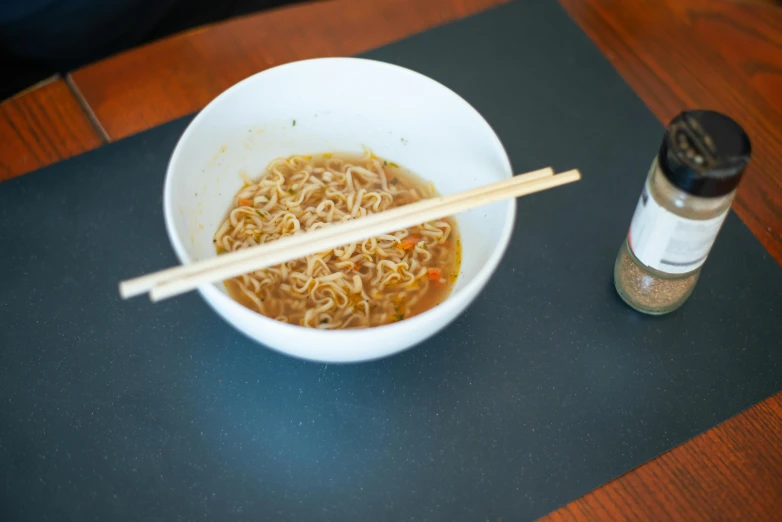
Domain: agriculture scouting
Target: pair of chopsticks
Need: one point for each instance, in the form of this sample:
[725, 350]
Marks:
[178, 280]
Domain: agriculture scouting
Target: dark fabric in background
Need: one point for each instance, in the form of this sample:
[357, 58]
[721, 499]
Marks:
[545, 388]
[39, 38]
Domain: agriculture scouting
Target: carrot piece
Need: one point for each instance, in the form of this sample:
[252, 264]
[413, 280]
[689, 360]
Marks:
[409, 242]
[435, 274]
[245, 203]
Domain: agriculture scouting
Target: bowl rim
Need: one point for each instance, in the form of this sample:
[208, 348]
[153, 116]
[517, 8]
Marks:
[214, 297]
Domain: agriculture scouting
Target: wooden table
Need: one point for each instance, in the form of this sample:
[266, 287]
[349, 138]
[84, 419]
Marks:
[676, 54]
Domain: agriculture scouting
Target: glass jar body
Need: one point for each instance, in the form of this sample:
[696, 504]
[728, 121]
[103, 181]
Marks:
[653, 290]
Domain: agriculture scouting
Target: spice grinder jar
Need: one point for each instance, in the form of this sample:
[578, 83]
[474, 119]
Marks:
[687, 195]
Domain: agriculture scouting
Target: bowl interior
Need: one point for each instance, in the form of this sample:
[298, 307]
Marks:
[335, 105]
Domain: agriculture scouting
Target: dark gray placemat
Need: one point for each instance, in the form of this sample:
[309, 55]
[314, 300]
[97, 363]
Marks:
[545, 389]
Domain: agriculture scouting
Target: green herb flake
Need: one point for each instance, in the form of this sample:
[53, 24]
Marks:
[259, 213]
[291, 191]
[393, 164]
[385, 163]
[394, 181]
[294, 123]
[265, 197]
[399, 317]
[325, 320]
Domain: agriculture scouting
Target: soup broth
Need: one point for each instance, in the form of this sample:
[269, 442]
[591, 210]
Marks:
[370, 283]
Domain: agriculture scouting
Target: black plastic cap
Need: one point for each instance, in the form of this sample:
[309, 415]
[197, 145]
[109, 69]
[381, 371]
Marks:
[704, 153]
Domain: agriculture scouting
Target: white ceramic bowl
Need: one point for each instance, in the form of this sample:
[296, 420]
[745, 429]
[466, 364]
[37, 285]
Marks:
[337, 104]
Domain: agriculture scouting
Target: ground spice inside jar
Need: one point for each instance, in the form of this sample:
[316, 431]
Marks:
[645, 292]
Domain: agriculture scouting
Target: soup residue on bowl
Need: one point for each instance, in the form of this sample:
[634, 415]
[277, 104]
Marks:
[377, 281]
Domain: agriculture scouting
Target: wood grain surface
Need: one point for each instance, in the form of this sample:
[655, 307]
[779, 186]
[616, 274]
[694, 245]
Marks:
[749, 37]
[41, 126]
[676, 54]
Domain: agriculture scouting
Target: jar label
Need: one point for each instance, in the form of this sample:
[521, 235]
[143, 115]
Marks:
[669, 243]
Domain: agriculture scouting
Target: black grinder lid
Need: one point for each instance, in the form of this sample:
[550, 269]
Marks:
[704, 153]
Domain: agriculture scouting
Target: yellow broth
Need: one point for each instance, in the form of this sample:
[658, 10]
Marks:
[380, 304]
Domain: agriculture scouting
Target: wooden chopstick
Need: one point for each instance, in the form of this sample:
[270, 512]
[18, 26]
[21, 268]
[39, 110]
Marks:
[143, 284]
[176, 281]
[318, 241]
